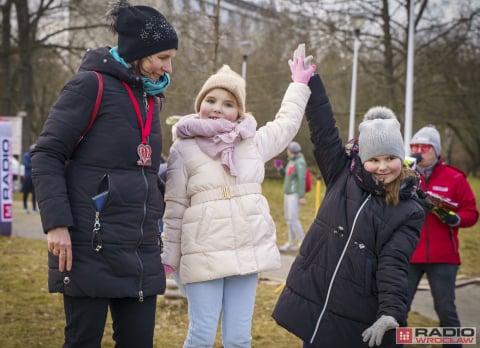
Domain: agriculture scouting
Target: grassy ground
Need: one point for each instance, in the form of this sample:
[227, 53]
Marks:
[31, 317]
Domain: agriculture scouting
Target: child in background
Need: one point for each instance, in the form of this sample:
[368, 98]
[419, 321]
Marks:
[218, 232]
[294, 194]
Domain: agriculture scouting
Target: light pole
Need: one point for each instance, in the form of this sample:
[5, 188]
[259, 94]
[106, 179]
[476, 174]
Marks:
[246, 48]
[357, 21]
[409, 78]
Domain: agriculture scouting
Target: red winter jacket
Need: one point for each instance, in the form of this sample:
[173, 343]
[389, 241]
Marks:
[438, 241]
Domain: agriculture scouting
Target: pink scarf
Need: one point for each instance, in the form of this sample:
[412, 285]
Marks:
[218, 138]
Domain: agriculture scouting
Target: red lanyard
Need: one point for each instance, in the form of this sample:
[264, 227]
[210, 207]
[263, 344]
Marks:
[148, 124]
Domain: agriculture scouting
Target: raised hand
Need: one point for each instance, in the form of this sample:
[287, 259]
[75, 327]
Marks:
[301, 67]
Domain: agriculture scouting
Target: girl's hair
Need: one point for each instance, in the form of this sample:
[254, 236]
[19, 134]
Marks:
[392, 190]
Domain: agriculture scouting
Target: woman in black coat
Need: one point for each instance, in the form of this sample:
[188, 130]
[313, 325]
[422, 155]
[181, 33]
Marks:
[348, 285]
[99, 199]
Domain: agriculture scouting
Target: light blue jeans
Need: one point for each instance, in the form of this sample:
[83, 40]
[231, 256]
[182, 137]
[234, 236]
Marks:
[291, 207]
[234, 299]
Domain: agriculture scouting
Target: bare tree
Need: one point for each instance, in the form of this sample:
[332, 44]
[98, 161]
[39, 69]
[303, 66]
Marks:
[210, 32]
[39, 25]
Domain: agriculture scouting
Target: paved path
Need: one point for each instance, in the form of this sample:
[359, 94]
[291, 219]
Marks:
[468, 291]
[26, 225]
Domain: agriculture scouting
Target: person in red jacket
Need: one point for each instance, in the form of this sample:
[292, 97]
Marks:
[437, 253]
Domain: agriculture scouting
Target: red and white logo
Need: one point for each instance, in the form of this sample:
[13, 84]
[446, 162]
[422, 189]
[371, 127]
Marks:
[436, 335]
[404, 335]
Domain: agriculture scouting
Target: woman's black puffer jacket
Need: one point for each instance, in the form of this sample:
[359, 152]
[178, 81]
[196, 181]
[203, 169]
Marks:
[122, 259]
[353, 263]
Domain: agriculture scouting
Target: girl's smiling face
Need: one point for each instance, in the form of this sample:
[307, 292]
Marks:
[384, 168]
[219, 103]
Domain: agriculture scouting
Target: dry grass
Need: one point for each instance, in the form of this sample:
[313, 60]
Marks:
[31, 317]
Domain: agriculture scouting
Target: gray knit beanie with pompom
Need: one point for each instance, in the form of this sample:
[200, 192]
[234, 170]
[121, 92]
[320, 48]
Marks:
[380, 134]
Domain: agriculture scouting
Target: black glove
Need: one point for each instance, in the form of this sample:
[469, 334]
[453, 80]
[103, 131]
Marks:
[424, 201]
[447, 217]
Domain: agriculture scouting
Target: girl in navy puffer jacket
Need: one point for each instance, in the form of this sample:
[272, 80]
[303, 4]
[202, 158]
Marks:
[348, 285]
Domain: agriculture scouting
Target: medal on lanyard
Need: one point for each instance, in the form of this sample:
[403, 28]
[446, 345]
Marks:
[144, 150]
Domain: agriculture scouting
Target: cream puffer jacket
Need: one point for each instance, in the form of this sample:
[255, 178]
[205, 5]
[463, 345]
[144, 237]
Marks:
[217, 225]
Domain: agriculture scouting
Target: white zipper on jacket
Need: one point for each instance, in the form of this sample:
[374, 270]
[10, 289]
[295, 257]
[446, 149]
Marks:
[336, 269]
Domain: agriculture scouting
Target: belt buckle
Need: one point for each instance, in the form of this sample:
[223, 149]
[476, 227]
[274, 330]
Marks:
[226, 192]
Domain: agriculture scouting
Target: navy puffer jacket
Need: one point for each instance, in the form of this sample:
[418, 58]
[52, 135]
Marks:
[128, 264]
[353, 263]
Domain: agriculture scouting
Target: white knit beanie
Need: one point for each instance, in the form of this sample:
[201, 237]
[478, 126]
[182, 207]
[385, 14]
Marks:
[380, 134]
[227, 79]
[428, 135]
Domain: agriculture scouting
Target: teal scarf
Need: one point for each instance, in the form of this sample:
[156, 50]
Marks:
[150, 87]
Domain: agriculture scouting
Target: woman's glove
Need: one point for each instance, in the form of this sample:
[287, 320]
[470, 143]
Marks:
[301, 67]
[374, 334]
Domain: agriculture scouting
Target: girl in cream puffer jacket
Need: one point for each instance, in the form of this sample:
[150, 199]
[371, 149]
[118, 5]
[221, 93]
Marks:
[217, 223]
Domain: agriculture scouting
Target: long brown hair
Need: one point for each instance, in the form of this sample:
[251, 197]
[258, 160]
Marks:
[392, 190]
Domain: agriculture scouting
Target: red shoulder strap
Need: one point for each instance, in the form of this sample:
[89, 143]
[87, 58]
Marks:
[93, 116]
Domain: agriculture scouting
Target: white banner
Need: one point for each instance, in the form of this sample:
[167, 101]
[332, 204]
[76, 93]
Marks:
[6, 183]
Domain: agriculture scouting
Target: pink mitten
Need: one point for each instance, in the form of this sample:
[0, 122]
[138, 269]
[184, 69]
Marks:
[299, 72]
[277, 163]
[168, 269]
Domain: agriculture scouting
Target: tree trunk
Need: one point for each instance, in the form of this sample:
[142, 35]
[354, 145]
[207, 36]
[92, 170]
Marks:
[5, 67]
[25, 70]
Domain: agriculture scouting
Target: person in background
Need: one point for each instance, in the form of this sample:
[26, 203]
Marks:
[100, 201]
[347, 287]
[294, 194]
[218, 233]
[437, 254]
[27, 184]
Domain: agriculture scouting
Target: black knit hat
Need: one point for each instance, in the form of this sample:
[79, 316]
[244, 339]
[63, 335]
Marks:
[142, 31]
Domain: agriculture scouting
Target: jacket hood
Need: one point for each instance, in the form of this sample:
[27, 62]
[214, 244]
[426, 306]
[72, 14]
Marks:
[102, 61]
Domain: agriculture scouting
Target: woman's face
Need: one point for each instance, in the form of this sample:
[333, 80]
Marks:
[157, 64]
[384, 168]
[219, 103]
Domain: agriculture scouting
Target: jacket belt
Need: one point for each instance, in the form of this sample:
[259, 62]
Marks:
[226, 192]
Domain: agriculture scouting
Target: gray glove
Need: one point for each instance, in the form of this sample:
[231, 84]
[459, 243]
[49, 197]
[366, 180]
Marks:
[374, 334]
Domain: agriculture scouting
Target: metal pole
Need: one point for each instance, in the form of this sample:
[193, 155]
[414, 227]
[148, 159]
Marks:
[409, 79]
[244, 67]
[351, 124]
